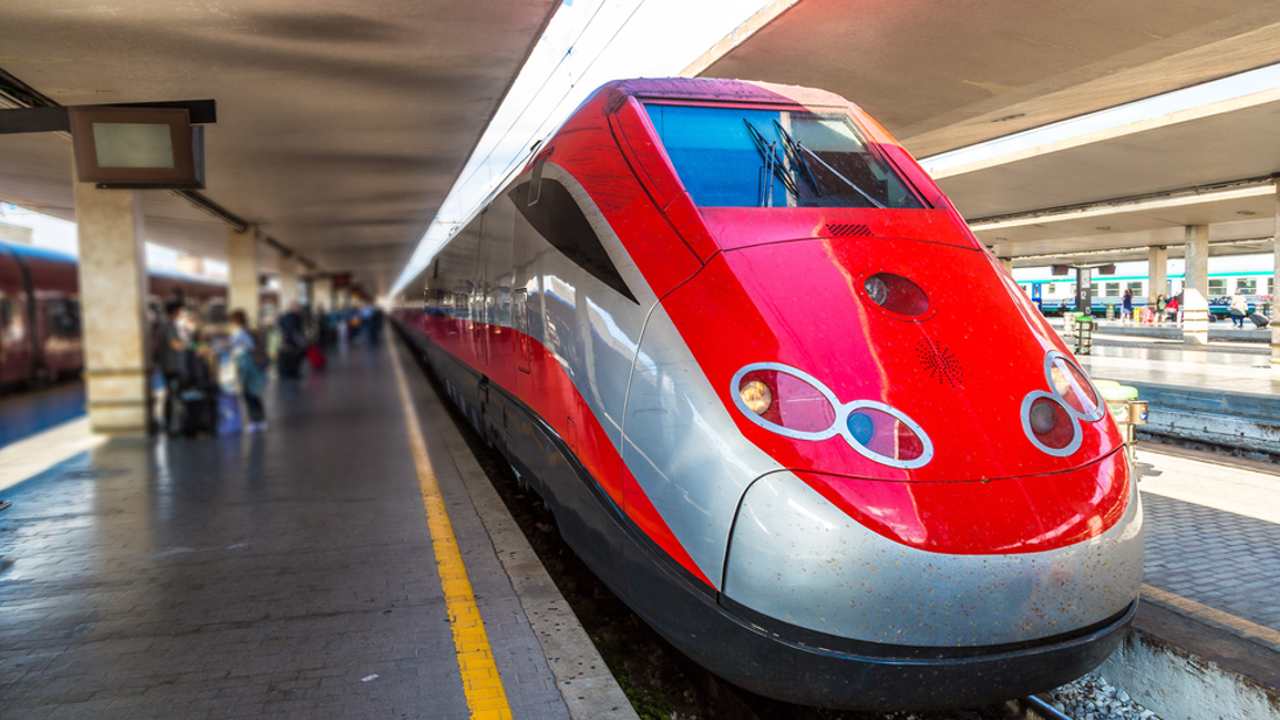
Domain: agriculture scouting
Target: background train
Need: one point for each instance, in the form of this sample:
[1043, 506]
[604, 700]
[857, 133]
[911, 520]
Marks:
[1251, 275]
[40, 311]
[783, 403]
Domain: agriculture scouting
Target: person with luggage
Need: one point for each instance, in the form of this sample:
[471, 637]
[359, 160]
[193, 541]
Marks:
[170, 346]
[1172, 308]
[293, 342]
[1239, 309]
[249, 370]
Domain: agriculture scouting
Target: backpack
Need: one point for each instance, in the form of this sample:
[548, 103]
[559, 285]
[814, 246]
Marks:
[260, 358]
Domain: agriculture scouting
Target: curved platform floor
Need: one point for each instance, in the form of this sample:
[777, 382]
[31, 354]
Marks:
[284, 574]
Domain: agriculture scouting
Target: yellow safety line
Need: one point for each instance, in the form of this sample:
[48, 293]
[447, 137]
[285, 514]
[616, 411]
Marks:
[1248, 629]
[486, 697]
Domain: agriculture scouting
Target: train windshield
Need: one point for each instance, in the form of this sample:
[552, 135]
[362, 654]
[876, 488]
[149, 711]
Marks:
[751, 157]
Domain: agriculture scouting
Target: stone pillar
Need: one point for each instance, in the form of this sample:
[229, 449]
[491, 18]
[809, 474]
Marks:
[113, 281]
[1197, 273]
[1157, 274]
[1004, 253]
[1275, 287]
[242, 274]
[1195, 317]
[322, 293]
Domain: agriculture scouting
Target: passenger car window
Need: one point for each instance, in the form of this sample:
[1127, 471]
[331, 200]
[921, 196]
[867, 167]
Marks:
[749, 157]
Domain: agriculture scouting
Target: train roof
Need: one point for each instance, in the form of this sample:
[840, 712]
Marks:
[32, 251]
[678, 88]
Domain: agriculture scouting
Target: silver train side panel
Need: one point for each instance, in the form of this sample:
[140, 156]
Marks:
[683, 447]
[797, 558]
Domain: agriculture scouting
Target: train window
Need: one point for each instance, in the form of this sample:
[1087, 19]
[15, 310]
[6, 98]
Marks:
[560, 221]
[1217, 287]
[1246, 286]
[62, 317]
[1112, 290]
[1135, 287]
[743, 157]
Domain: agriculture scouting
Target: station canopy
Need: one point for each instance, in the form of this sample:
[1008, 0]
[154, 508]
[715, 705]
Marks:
[944, 76]
[341, 124]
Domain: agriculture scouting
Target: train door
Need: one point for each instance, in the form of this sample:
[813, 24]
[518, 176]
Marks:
[16, 347]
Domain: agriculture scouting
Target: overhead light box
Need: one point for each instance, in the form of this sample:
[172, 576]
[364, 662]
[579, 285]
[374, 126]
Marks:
[137, 147]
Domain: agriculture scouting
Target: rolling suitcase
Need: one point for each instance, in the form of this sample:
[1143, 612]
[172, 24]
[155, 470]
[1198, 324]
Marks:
[229, 421]
[315, 356]
[1259, 319]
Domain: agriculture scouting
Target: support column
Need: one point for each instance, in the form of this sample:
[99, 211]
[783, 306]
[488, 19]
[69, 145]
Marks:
[1157, 274]
[322, 293]
[1195, 289]
[1197, 273]
[113, 277]
[242, 274]
[1275, 287]
[1004, 253]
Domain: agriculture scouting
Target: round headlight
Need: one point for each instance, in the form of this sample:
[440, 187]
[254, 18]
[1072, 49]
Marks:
[756, 396]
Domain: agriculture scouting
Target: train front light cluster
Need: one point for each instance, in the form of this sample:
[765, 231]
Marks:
[1052, 419]
[793, 403]
[757, 396]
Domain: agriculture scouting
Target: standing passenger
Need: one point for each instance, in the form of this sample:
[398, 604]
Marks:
[170, 351]
[1161, 303]
[1126, 306]
[252, 379]
[293, 341]
[1239, 309]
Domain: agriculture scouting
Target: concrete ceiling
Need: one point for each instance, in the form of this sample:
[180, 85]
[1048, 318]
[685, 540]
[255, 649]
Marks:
[341, 124]
[1239, 236]
[941, 75]
[1232, 145]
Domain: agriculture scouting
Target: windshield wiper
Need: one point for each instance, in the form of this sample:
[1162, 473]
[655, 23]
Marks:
[804, 150]
[794, 155]
[773, 166]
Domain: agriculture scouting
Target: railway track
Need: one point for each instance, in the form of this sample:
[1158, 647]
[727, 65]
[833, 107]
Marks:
[1033, 707]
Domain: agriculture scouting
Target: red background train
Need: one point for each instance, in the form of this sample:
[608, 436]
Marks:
[40, 311]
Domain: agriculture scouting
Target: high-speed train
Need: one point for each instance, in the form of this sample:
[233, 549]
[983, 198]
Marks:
[782, 402]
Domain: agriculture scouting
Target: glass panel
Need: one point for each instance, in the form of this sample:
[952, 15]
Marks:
[796, 405]
[743, 157]
[133, 145]
[884, 434]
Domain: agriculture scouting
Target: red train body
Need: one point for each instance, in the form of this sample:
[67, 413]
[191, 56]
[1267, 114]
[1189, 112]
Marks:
[784, 403]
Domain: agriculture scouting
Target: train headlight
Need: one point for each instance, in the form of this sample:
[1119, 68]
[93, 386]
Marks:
[886, 435]
[793, 403]
[1072, 386]
[756, 395]
[1049, 425]
[786, 401]
[896, 293]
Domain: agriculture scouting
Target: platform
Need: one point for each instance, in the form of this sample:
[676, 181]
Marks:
[1213, 561]
[285, 574]
[1224, 393]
